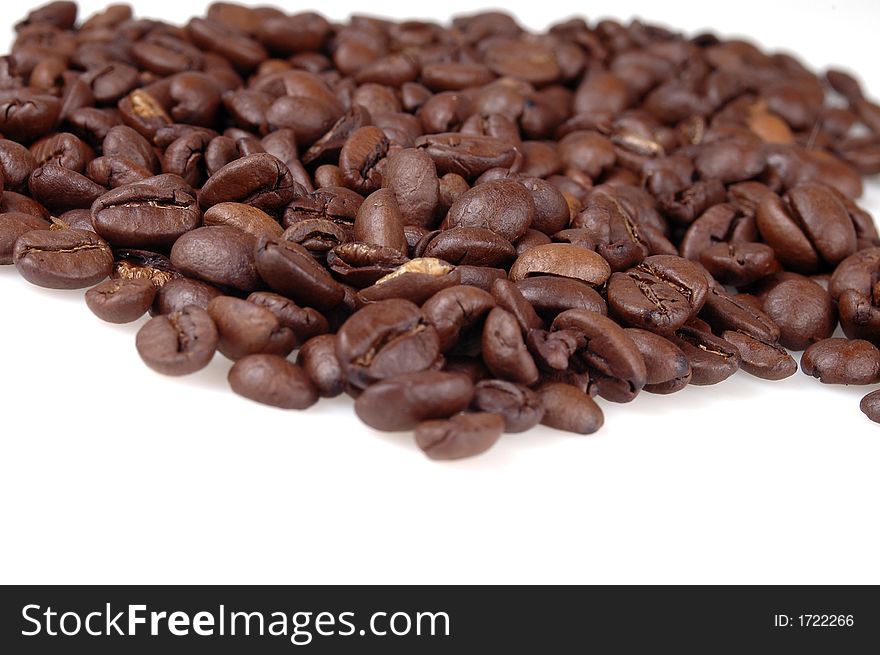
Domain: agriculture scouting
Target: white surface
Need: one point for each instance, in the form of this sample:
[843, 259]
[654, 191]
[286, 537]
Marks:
[110, 473]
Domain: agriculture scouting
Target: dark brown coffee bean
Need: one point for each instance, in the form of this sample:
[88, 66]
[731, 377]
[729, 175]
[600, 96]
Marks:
[504, 350]
[220, 255]
[870, 406]
[804, 312]
[505, 208]
[12, 226]
[121, 300]
[562, 260]
[712, 359]
[463, 435]
[304, 321]
[473, 246]
[739, 264]
[291, 271]
[180, 343]
[64, 149]
[113, 172]
[142, 216]
[456, 313]
[509, 297]
[246, 328]
[359, 158]
[726, 312]
[62, 259]
[842, 361]
[317, 357]
[260, 180]
[412, 176]
[272, 380]
[518, 406]
[612, 359]
[668, 369]
[16, 164]
[60, 189]
[379, 221]
[404, 401]
[468, 156]
[180, 292]
[26, 114]
[859, 317]
[385, 339]
[568, 408]
[550, 295]
[768, 361]
[416, 281]
[244, 217]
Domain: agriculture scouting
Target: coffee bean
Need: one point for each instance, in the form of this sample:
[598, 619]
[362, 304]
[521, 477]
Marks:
[712, 359]
[244, 217]
[62, 259]
[220, 255]
[272, 380]
[505, 208]
[769, 361]
[181, 292]
[455, 312]
[142, 216]
[504, 350]
[842, 361]
[60, 189]
[870, 406]
[291, 271]
[380, 222]
[471, 246]
[563, 260]
[550, 295]
[464, 435]
[411, 176]
[180, 343]
[317, 357]
[568, 408]
[305, 322]
[260, 180]
[359, 157]
[519, 407]
[803, 311]
[416, 281]
[121, 300]
[726, 312]
[668, 369]
[468, 156]
[402, 402]
[12, 226]
[246, 328]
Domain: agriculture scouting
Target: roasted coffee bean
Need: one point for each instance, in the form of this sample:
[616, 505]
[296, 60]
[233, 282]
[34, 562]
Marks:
[113, 172]
[62, 259]
[412, 176]
[668, 369]
[379, 221]
[60, 189]
[455, 312]
[402, 402]
[482, 277]
[291, 271]
[385, 339]
[505, 208]
[519, 407]
[362, 264]
[16, 164]
[509, 297]
[769, 361]
[504, 350]
[305, 322]
[726, 312]
[712, 359]
[180, 343]
[246, 328]
[26, 114]
[180, 292]
[261, 180]
[359, 157]
[272, 380]
[416, 281]
[568, 408]
[335, 204]
[606, 351]
[739, 264]
[143, 216]
[317, 357]
[842, 361]
[12, 226]
[463, 435]
[562, 260]
[804, 312]
[472, 246]
[859, 316]
[246, 218]
[220, 255]
[870, 406]
[550, 295]
[64, 149]
[468, 156]
[121, 300]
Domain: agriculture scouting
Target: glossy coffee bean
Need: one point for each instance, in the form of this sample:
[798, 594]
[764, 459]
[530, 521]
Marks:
[272, 380]
[402, 402]
[246, 328]
[842, 361]
[317, 357]
[121, 300]
[568, 408]
[180, 343]
[62, 259]
[463, 435]
[518, 406]
[870, 406]
[12, 226]
[768, 361]
[220, 255]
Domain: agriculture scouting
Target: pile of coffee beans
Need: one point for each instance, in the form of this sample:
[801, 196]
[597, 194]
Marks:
[470, 229]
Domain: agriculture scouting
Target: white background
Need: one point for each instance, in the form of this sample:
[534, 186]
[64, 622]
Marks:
[110, 473]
